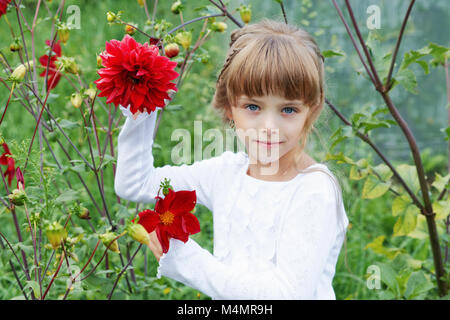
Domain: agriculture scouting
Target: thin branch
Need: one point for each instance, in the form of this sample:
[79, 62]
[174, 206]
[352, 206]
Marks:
[341, 15]
[388, 83]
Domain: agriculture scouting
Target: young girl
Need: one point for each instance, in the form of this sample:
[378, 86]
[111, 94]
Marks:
[279, 220]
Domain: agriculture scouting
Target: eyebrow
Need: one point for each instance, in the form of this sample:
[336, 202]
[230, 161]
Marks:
[259, 100]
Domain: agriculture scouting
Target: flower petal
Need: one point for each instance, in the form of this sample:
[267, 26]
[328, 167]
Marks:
[184, 202]
[190, 223]
[149, 219]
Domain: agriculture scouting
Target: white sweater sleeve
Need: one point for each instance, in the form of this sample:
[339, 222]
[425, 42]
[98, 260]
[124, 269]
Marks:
[136, 177]
[307, 236]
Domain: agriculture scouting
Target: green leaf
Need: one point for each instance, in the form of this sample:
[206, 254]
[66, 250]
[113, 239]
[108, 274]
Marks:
[339, 157]
[377, 246]
[439, 54]
[413, 56]
[418, 285]
[358, 174]
[388, 277]
[331, 53]
[441, 182]
[66, 124]
[421, 230]
[442, 209]
[409, 175]
[68, 196]
[374, 188]
[400, 204]
[34, 286]
[407, 222]
[383, 171]
[407, 79]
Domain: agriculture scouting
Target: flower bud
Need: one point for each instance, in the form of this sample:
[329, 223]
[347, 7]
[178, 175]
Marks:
[138, 233]
[16, 45]
[130, 29]
[63, 32]
[107, 238]
[111, 16]
[99, 62]
[91, 92]
[20, 179]
[84, 213]
[56, 233]
[184, 38]
[172, 50]
[176, 7]
[246, 13]
[19, 73]
[76, 100]
[67, 64]
[219, 26]
[18, 197]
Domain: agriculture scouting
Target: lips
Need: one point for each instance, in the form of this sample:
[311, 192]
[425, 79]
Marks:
[269, 143]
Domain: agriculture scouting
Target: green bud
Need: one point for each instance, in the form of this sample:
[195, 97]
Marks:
[18, 197]
[56, 233]
[107, 238]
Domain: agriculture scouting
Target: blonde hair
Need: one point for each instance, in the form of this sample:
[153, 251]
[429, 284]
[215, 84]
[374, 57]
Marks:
[272, 57]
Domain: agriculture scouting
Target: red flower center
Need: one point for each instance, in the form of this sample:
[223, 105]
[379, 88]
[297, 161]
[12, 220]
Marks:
[167, 218]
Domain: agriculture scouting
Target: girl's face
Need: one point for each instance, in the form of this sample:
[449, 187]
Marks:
[269, 126]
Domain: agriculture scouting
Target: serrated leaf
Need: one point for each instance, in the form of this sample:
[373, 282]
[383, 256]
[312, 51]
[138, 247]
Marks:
[407, 79]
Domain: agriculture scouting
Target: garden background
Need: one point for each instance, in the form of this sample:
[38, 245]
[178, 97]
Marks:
[404, 259]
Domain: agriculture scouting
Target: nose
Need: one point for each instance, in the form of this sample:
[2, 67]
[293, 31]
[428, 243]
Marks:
[270, 128]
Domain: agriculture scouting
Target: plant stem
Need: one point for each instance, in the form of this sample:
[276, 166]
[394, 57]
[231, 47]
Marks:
[123, 270]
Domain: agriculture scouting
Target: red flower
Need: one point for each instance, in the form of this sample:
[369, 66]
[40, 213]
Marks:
[20, 179]
[135, 74]
[53, 76]
[3, 5]
[172, 217]
[8, 161]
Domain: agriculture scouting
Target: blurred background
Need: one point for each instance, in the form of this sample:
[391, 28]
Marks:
[347, 88]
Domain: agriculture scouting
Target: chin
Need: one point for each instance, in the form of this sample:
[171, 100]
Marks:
[265, 156]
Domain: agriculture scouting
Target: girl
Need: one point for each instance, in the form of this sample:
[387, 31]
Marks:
[279, 220]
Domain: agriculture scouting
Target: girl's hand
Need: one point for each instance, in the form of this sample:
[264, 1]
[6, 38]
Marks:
[136, 115]
[155, 246]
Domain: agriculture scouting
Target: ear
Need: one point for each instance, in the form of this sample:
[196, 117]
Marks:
[228, 113]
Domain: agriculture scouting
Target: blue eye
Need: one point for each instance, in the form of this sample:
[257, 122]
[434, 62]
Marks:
[290, 108]
[249, 105]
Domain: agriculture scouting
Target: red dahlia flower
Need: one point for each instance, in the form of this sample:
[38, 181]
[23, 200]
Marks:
[135, 74]
[53, 75]
[3, 5]
[8, 161]
[172, 217]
